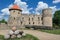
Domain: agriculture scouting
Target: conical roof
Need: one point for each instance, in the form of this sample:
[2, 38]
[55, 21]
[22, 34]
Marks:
[15, 7]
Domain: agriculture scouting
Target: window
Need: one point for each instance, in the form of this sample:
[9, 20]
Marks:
[29, 22]
[33, 22]
[38, 18]
[42, 18]
[32, 19]
[18, 12]
[29, 19]
[13, 10]
[14, 18]
[21, 22]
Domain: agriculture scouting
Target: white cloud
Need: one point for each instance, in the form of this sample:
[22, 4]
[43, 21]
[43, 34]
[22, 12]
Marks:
[26, 10]
[1, 16]
[10, 6]
[5, 11]
[40, 6]
[23, 6]
[56, 1]
[53, 9]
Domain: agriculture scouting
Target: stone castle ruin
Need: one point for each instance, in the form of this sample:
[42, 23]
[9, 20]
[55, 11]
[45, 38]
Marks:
[29, 20]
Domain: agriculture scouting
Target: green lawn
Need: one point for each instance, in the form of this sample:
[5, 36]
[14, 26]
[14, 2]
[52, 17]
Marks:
[27, 37]
[56, 31]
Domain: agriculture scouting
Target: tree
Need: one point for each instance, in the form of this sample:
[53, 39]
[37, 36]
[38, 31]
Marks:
[3, 21]
[56, 18]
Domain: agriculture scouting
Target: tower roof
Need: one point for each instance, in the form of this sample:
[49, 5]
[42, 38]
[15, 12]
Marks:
[15, 7]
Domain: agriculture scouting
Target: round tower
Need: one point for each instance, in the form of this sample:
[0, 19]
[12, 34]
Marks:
[15, 13]
[47, 17]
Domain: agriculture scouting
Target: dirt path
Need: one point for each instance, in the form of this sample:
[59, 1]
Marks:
[38, 34]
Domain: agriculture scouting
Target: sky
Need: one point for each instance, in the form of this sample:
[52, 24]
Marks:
[28, 6]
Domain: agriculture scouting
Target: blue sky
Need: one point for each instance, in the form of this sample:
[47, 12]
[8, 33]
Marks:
[28, 6]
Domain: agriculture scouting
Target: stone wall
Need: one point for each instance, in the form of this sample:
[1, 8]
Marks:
[20, 20]
[47, 17]
[4, 26]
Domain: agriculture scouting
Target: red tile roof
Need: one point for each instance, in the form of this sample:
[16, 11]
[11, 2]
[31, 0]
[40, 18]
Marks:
[15, 7]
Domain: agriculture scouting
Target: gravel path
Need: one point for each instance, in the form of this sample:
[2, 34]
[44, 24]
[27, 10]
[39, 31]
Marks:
[38, 34]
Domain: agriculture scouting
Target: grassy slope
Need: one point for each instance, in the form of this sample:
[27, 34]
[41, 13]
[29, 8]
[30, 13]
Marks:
[27, 37]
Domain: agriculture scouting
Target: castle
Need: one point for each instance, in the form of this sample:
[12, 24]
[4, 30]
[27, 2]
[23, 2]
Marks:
[22, 20]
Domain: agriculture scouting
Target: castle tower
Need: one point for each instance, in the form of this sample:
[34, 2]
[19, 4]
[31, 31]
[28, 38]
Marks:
[47, 17]
[15, 13]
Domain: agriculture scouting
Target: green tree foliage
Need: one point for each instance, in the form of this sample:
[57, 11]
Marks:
[56, 18]
[3, 21]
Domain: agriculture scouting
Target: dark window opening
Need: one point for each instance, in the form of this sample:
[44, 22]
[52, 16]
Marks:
[29, 19]
[29, 22]
[42, 18]
[14, 11]
[14, 18]
[21, 22]
[32, 19]
[38, 18]
[18, 12]
[33, 22]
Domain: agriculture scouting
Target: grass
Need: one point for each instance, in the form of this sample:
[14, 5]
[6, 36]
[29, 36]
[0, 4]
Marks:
[55, 31]
[27, 37]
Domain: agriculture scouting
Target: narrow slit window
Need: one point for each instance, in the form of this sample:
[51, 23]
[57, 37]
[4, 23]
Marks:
[18, 12]
[32, 19]
[38, 18]
[21, 22]
[29, 19]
